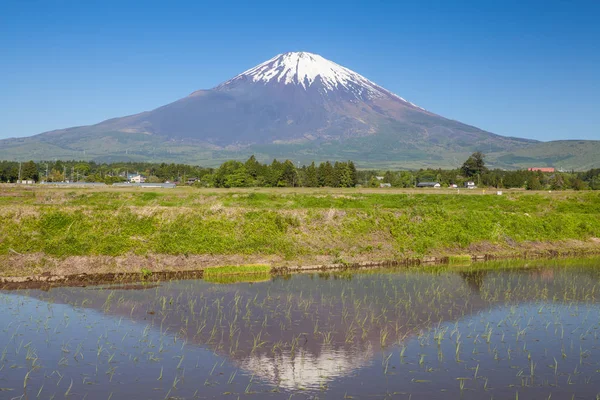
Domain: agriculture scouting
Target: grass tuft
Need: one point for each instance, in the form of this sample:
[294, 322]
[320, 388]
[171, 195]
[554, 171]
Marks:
[237, 270]
[462, 259]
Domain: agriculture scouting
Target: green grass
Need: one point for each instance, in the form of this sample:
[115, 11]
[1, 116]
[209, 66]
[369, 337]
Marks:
[237, 270]
[459, 259]
[286, 225]
[239, 278]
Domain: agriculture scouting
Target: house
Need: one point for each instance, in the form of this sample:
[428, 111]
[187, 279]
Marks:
[453, 186]
[470, 185]
[379, 178]
[136, 178]
[429, 184]
[542, 169]
[384, 185]
[191, 181]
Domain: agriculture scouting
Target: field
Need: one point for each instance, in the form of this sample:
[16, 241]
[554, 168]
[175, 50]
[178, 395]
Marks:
[77, 230]
[501, 330]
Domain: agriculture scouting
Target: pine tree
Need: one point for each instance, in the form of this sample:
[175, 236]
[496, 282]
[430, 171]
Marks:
[29, 171]
[328, 174]
[252, 166]
[288, 174]
[353, 173]
[474, 165]
[345, 176]
[274, 173]
[338, 169]
[534, 183]
[311, 176]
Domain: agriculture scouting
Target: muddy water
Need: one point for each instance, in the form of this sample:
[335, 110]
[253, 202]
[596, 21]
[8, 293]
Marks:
[438, 333]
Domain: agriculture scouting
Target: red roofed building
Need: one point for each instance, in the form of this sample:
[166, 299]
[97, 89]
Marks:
[549, 169]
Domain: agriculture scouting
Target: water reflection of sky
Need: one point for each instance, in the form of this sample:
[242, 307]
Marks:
[309, 336]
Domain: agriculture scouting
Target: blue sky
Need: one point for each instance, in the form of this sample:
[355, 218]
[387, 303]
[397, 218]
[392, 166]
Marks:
[517, 68]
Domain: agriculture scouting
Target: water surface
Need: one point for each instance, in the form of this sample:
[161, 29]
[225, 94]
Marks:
[490, 331]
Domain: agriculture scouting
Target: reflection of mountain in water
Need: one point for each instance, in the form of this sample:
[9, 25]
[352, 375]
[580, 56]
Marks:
[306, 369]
[303, 331]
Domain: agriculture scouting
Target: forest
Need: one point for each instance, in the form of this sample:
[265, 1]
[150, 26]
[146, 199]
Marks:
[253, 173]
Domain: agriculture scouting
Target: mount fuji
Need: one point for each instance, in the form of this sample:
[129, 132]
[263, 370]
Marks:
[296, 105]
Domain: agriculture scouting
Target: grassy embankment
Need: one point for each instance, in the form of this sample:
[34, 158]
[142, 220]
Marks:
[66, 231]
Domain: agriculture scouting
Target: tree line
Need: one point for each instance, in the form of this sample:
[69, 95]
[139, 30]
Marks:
[253, 173]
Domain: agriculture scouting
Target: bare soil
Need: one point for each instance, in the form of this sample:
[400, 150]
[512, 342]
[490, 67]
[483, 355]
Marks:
[39, 271]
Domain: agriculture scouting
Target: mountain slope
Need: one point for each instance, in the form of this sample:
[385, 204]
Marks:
[295, 105]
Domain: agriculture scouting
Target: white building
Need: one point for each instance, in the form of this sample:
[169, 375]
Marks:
[137, 179]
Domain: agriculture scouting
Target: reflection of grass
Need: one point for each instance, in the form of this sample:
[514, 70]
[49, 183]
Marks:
[459, 259]
[237, 270]
[227, 279]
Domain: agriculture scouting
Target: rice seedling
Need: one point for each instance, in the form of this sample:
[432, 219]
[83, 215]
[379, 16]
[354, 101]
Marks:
[313, 334]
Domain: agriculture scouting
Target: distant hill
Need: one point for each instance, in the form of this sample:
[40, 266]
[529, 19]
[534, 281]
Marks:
[302, 107]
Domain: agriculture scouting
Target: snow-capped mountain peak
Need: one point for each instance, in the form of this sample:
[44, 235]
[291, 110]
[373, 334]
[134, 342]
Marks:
[307, 69]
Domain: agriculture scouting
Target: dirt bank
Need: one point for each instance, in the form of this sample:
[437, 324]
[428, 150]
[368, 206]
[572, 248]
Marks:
[38, 271]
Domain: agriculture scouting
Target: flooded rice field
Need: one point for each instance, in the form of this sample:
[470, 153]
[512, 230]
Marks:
[482, 332]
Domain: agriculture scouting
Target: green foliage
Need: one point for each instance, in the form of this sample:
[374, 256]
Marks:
[534, 183]
[286, 225]
[237, 269]
[29, 170]
[238, 278]
[253, 173]
[475, 165]
[459, 259]
[146, 273]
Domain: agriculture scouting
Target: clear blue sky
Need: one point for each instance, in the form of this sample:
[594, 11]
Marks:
[518, 68]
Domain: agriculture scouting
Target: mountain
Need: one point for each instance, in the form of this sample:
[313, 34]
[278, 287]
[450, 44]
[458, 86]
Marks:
[296, 105]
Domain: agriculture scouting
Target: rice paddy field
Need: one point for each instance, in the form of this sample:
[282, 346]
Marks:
[502, 330]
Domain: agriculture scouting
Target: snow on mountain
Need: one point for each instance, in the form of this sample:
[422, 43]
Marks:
[308, 69]
[293, 99]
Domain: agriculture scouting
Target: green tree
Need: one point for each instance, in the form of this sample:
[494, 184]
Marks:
[289, 177]
[325, 174]
[578, 184]
[253, 167]
[311, 176]
[353, 173]
[231, 174]
[56, 175]
[30, 171]
[534, 183]
[373, 182]
[475, 165]
[153, 179]
[404, 179]
[557, 182]
[345, 177]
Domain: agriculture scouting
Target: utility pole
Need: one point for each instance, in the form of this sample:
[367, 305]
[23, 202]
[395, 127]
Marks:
[46, 172]
[64, 173]
[19, 180]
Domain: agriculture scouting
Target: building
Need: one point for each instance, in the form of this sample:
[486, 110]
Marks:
[470, 185]
[137, 178]
[384, 185]
[542, 169]
[379, 178]
[429, 184]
